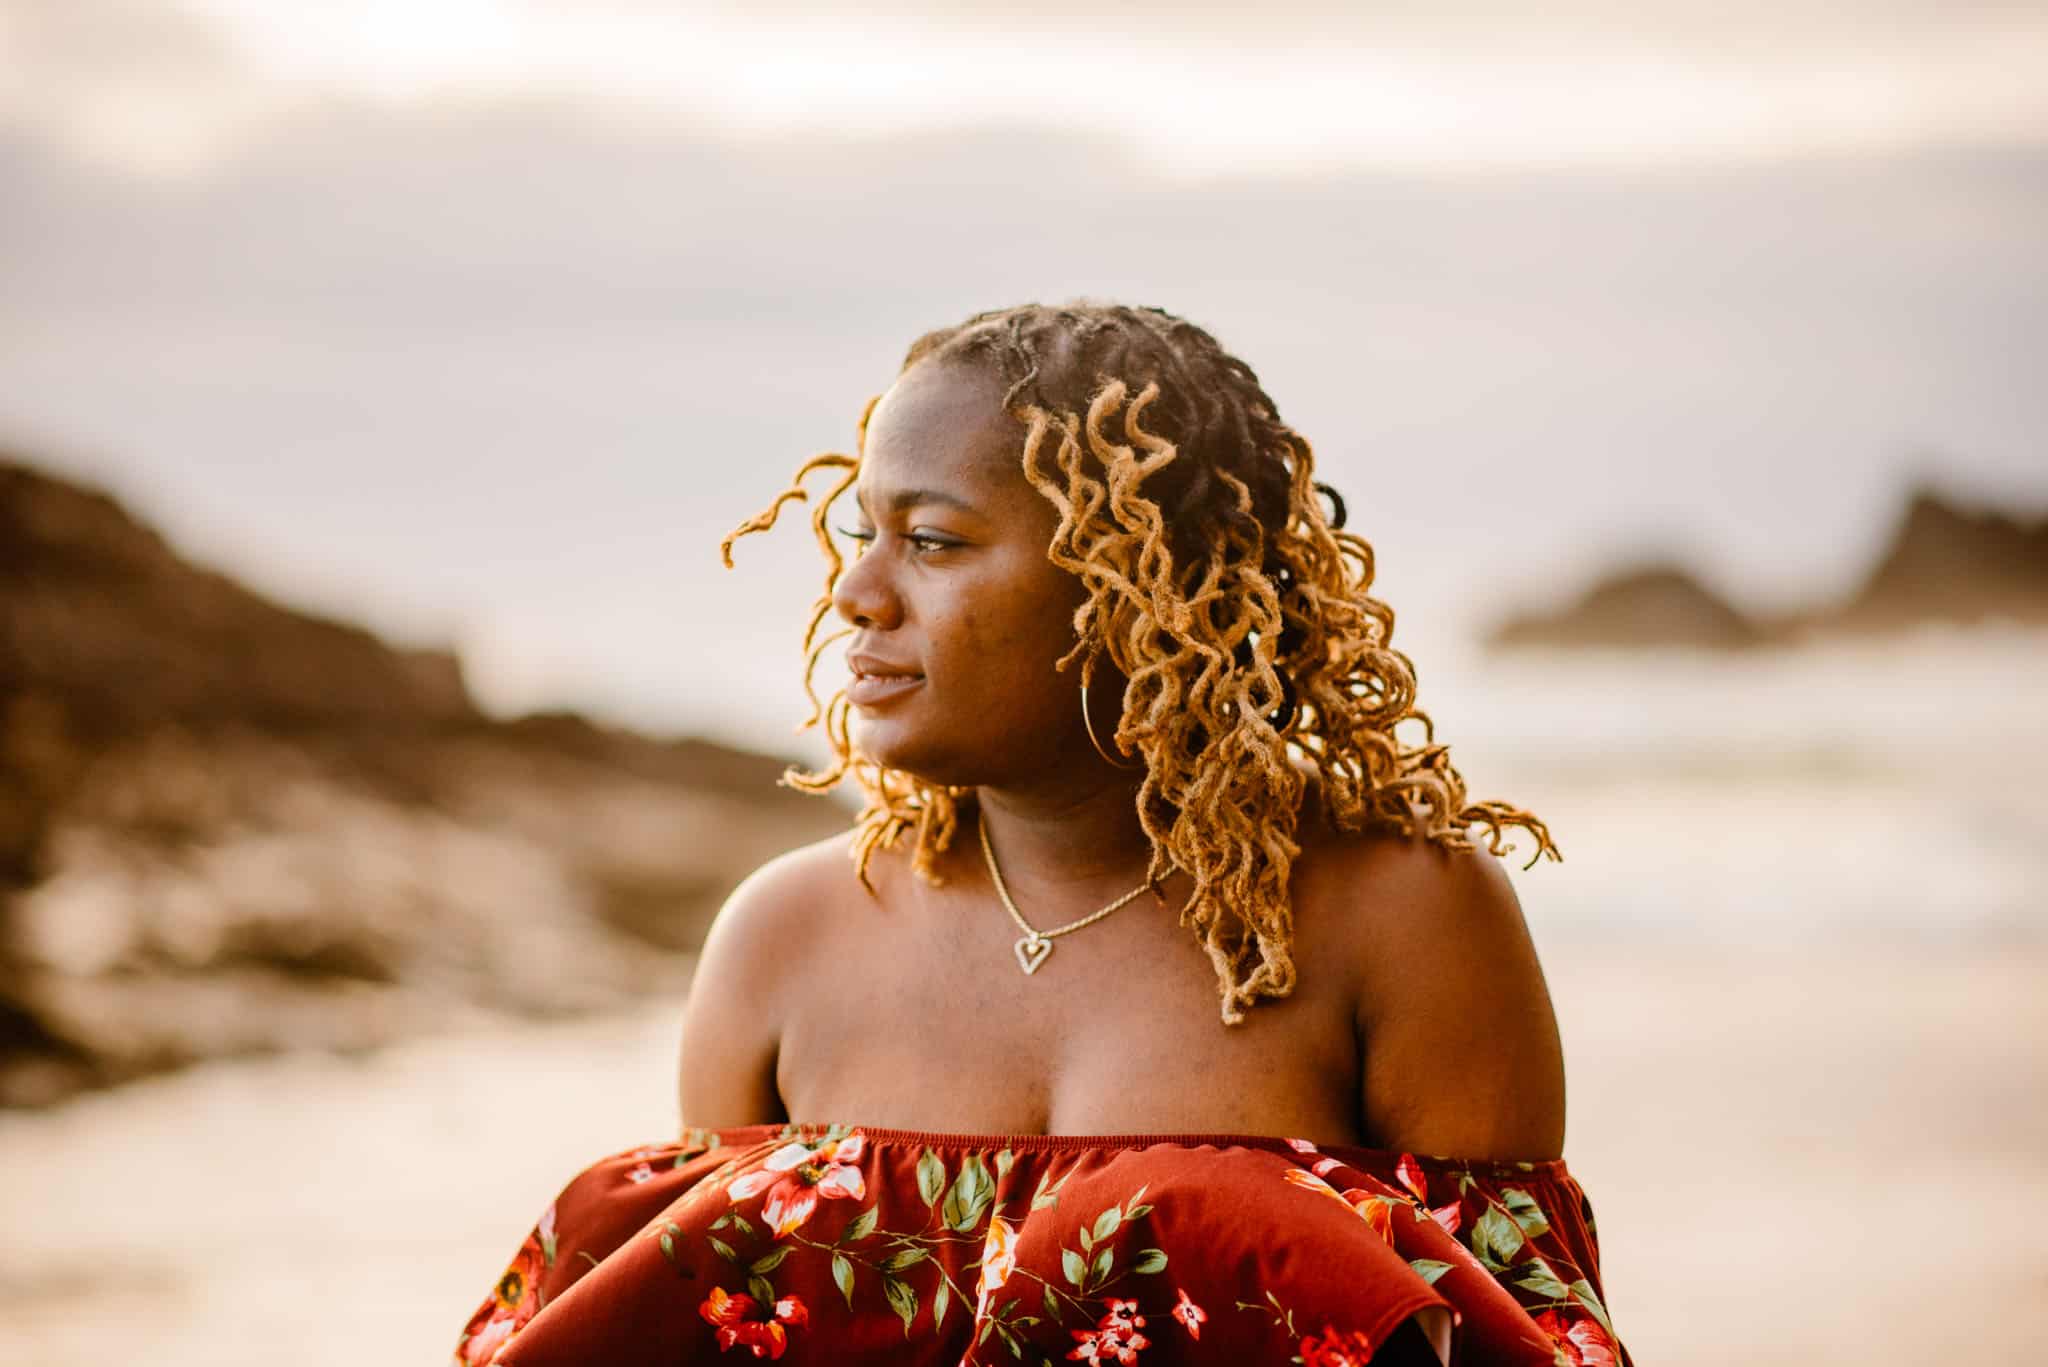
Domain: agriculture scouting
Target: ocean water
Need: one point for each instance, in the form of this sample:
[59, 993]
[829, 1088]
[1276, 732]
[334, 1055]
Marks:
[1884, 787]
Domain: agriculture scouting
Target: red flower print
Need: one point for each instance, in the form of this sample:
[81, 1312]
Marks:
[1580, 1344]
[1309, 1181]
[1117, 1338]
[521, 1282]
[738, 1321]
[1375, 1210]
[513, 1302]
[1412, 1177]
[1333, 1349]
[998, 1261]
[482, 1344]
[1089, 1349]
[797, 1174]
[1102, 1345]
[1189, 1314]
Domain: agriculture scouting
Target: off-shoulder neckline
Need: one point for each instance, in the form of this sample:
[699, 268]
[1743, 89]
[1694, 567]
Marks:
[1355, 1155]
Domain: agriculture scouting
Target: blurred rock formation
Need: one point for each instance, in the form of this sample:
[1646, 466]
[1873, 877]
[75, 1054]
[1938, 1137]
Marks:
[1950, 564]
[226, 826]
[1944, 563]
[1656, 605]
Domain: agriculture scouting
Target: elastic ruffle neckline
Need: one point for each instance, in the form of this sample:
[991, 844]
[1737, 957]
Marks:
[1357, 1156]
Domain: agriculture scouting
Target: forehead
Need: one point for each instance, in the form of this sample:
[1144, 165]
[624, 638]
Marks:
[941, 425]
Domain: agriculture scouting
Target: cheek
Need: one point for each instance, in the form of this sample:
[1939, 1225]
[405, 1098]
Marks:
[1019, 634]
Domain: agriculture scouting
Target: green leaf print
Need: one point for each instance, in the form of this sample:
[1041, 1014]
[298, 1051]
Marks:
[1495, 1238]
[902, 1299]
[942, 1299]
[931, 1177]
[1105, 1258]
[908, 1257]
[1071, 1264]
[762, 1290]
[1589, 1298]
[1150, 1260]
[969, 1196]
[842, 1276]
[1522, 1206]
[668, 1245]
[1003, 1162]
[769, 1261]
[724, 1250]
[1107, 1222]
[1052, 1305]
[1537, 1277]
[1429, 1269]
[859, 1227]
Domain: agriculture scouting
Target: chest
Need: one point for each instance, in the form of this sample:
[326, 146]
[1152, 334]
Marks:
[923, 1018]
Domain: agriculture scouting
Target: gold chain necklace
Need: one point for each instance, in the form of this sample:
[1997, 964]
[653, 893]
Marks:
[1034, 944]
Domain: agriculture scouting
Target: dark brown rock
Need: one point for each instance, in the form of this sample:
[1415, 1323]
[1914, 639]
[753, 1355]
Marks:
[97, 609]
[1655, 605]
[1946, 563]
[226, 826]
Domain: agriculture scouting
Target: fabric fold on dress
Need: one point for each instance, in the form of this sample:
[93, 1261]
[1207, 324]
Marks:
[846, 1244]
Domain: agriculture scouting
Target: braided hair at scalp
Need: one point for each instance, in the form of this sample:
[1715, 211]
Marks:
[1222, 587]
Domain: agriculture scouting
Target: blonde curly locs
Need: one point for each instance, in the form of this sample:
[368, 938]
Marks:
[1222, 587]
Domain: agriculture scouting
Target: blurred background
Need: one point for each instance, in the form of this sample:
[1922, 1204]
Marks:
[378, 731]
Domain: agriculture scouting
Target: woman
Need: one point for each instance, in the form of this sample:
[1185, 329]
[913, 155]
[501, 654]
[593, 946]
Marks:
[1125, 718]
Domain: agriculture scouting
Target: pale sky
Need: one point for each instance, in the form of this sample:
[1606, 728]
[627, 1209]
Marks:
[1197, 89]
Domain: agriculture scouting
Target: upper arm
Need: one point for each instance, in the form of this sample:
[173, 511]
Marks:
[1460, 1042]
[732, 1023]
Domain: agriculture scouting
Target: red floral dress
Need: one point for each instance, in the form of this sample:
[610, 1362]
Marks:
[848, 1245]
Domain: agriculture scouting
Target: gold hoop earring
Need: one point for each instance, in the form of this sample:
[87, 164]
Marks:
[1090, 725]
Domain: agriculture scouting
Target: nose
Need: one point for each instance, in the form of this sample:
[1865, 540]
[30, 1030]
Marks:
[863, 595]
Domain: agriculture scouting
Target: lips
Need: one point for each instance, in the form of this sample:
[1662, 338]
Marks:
[876, 680]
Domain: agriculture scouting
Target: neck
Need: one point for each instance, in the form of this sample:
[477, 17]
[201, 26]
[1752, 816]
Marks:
[1075, 837]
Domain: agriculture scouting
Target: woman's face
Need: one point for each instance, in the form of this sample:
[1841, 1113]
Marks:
[958, 616]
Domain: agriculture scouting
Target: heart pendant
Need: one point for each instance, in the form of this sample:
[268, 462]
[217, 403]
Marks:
[1031, 952]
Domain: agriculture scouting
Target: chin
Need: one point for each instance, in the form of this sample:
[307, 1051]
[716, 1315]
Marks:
[894, 745]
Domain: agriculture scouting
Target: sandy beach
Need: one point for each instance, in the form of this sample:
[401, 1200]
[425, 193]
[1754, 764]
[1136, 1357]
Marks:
[1809, 1156]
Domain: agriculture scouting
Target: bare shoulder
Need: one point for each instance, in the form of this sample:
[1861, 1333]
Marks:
[746, 977]
[1410, 897]
[750, 935]
[1460, 1039]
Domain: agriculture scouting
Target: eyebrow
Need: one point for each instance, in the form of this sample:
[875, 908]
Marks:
[904, 499]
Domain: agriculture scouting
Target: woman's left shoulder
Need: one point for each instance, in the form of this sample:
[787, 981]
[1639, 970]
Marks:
[1463, 1053]
[1409, 888]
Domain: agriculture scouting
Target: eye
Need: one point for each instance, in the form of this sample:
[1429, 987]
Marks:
[856, 533]
[927, 542]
